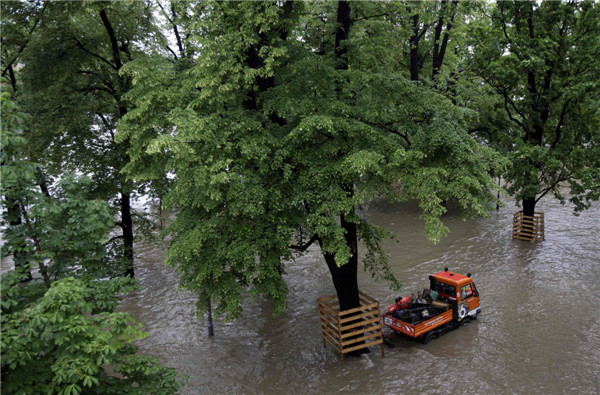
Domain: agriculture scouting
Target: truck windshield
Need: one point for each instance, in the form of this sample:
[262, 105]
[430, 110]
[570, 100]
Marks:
[442, 288]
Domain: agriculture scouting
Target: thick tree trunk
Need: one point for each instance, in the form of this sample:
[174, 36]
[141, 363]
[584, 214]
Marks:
[342, 33]
[127, 227]
[529, 206]
[345, 277]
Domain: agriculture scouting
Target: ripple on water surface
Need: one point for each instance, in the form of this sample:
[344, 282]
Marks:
[539, 330]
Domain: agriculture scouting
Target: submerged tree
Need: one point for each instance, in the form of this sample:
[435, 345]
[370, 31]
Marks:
[283, 127]
[541, 60]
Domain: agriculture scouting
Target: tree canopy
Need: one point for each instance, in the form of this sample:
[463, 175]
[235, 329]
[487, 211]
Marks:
[542, 62]
[59, 333]
[284, 126]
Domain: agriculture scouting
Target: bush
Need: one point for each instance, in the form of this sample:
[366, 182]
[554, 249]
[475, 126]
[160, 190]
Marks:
[67, 339]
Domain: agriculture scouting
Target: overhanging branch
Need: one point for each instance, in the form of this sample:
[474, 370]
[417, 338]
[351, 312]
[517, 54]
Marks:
[304, 247]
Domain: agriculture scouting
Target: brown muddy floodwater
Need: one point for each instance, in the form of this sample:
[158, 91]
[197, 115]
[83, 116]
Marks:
[539, 331]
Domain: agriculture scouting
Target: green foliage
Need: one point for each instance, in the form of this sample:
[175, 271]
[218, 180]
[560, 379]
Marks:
[268, 139]
[62, 234]
[69, 80]
[66, 339]
[68, 230]
[60, 335]
[540, 59]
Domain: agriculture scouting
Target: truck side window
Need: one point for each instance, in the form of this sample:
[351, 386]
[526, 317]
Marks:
[466, 291]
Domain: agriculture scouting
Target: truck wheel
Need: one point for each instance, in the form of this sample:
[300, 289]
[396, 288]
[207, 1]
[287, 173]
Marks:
[429, 336]
[463, 311]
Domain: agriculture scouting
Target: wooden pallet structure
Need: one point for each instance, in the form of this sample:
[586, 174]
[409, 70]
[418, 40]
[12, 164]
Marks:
[527, 227]
[352, 329]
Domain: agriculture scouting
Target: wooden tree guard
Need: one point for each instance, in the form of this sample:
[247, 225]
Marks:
[352, 329]
[528, 228]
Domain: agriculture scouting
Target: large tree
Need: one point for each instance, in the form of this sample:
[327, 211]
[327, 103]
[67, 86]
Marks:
[541, 59]
[284, 126]
[70, 81]
[60, 334]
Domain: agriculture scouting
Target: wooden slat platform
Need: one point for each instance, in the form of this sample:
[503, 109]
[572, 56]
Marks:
[343, 329]
[527, 227]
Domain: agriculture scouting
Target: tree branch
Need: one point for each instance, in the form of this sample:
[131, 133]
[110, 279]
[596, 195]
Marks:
[551, 187]
[37, 244]
[104, 120]
[304, 247]
[176, 31]
[113, 239]
[22, 48]
[558, 129]
[370, 17]
[514, 119]
[442, 52]
[84, 49]
[113, 39]
[102, 80]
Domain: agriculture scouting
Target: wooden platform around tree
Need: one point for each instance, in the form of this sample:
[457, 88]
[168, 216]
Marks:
[527, 227]
[353, 329]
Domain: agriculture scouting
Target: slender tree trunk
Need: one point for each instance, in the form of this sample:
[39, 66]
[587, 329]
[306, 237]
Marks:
[498, 195]
[211, 331]
[439, 49]
[127, 227]
[414, 50]
[20, 259]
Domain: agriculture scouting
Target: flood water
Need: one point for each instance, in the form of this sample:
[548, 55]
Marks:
[539, 330]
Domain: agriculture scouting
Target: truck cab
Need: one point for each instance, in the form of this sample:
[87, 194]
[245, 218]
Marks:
[457, 289]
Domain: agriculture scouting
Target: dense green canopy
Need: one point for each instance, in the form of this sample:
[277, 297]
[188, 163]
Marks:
[277, 131]
[541, 60]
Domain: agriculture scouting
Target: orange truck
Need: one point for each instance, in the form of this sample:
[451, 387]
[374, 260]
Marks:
[449, 300]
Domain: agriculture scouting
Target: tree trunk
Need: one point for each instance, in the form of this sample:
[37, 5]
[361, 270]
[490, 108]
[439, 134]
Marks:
[345, 277]
[127, 227]
[20, 259]
[342, 33]
[414, 50]
[211, 330]
[529, 206]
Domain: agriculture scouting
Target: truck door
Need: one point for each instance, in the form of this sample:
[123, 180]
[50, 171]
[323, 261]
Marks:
[469, 295]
